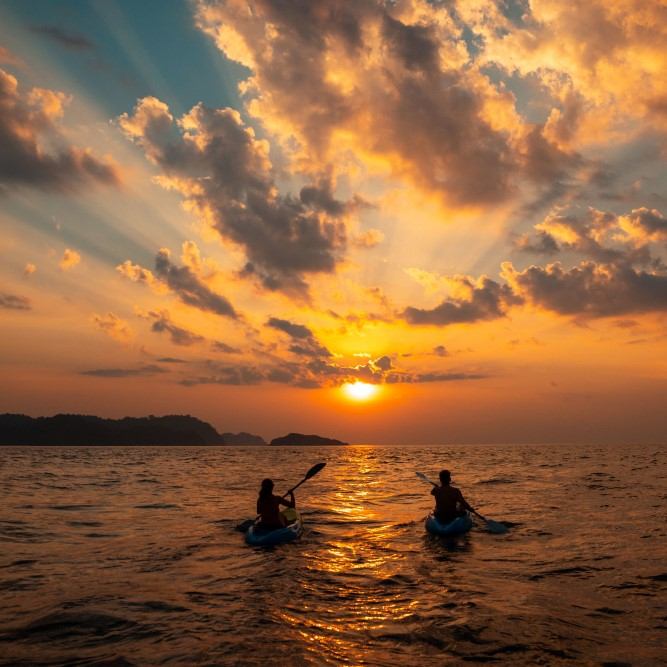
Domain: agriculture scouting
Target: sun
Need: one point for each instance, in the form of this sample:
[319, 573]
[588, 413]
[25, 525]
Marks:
[360, 391]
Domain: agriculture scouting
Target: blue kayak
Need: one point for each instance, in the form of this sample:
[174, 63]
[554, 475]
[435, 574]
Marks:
[260, 537]
[462, 524]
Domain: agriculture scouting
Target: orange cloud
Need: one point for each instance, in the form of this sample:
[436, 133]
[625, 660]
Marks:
[114, 326]
[69, 260]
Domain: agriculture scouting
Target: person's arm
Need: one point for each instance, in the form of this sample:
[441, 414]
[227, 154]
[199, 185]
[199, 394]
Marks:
[433, 490]
[465, 504]
[288, 503]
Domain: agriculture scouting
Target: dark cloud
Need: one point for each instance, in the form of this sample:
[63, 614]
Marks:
[590, 289]
[228, 375]
[541, 243]
[226, 175]
[149, 369]
[70, 40]
[190, 288]
[27, 125]
[162, 324]
[440, 351]
[393, 378]
[383, 363]
[487, 300]
[219, 346]
[306, 344]
[544, 161]
[293, 330]
[14, 302]
[171, 360]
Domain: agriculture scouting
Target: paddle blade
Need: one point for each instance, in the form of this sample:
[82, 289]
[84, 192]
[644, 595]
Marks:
[314, 470]
[244, 526]
[496, 527]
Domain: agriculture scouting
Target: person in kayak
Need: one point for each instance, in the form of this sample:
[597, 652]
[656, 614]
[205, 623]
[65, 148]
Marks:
[449, 501]
[268, 506]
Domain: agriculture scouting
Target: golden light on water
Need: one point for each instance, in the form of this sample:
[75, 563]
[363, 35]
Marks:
[360, 391]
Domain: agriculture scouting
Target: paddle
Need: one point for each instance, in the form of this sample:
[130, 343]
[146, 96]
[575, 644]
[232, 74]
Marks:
[243, 527]
[491, 525]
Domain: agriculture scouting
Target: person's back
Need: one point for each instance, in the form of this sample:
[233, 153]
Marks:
[449, 501]
[268, 507]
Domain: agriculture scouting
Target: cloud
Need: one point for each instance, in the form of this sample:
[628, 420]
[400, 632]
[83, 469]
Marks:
[149, 369]
[596, 59]
[589, 290]
[368, 239]
[29, 269]
[316, 373]
[431, 282]
[383, 363]
[598, 235]
[181, 280]
[644, 225]
[162, 323]
[408, 378]
[224, 172]
[293, 330]
[227, 375]
[542, 243]
[138, 274]
[6, 56]
[305, 342]
[28, 124]
[14, 302]
[219, 346]
[113, 326]
[440, 351]
[391, 81]
[70, 40]
[190, 289]
[484, 299]
[69, 259]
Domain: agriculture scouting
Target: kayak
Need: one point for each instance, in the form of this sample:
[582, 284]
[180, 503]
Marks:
[462, 524]
[261, 537]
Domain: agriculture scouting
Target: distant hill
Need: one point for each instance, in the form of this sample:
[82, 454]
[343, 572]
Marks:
[65, 429]
[242, 438]
[301, 439]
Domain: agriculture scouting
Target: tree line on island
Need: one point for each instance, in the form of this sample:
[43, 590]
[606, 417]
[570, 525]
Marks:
[66, 429]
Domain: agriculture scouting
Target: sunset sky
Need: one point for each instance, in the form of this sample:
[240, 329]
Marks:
[237, 209]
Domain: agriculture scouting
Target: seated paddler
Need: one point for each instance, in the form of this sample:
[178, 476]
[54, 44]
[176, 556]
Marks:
[268, 506]
[449, 501]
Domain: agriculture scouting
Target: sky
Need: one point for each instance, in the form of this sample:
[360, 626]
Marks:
[385, 222]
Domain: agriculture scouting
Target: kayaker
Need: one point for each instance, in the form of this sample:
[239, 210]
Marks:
[268, 506]
[449, 501]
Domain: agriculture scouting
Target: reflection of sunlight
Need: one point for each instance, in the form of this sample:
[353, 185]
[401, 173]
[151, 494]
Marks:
[347, 580]
[360, 391]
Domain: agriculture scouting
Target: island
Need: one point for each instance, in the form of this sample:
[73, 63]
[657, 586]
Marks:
[242, 438]
[300, 439]
[72, 429]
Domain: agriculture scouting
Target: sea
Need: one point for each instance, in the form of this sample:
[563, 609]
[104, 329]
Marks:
[130, 556]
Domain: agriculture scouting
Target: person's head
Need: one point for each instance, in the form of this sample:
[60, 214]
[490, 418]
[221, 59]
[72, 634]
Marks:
[266, 488]
[445, 477]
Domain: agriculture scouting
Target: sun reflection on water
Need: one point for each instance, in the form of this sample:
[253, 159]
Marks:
[356, 573]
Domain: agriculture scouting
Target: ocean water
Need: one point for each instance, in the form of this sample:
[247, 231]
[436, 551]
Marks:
[129, 556]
